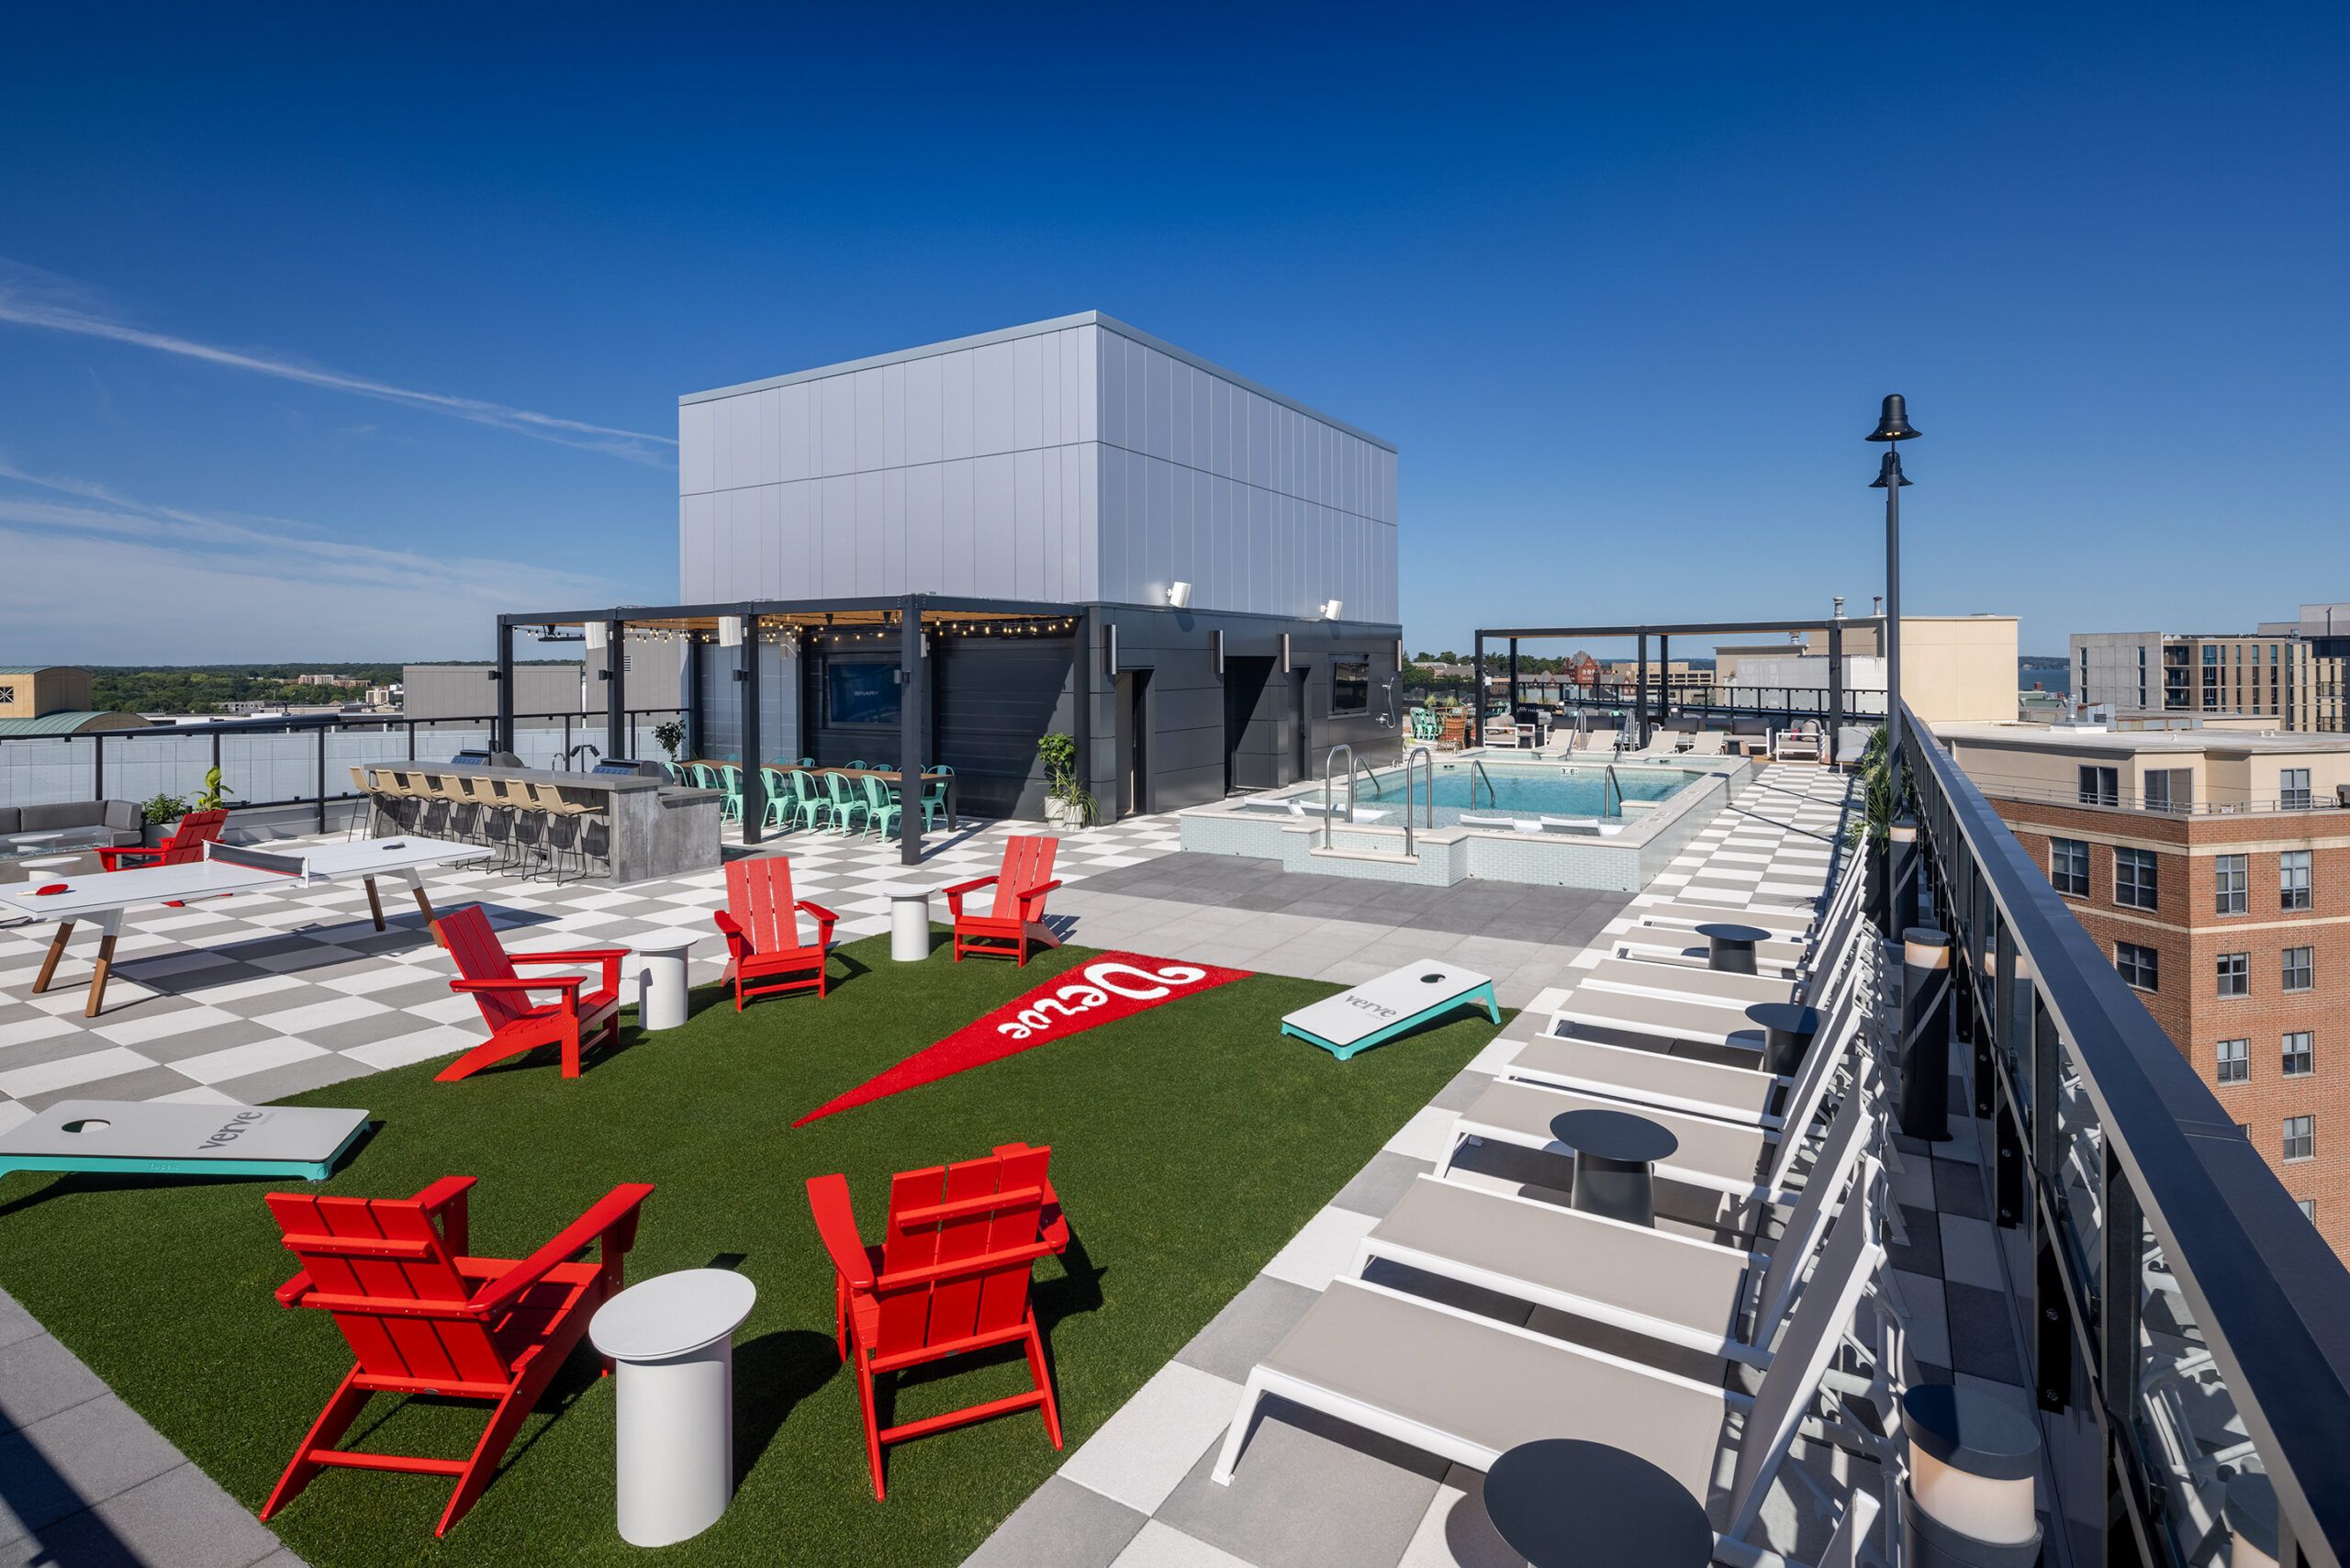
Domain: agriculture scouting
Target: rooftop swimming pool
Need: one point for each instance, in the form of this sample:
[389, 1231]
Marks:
[1562, 792]
[1505, 819]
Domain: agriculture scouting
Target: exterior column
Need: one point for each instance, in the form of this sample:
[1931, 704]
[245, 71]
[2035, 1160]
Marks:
[1475, 734]
[755, 783]
[1663, 679]
[502, 731]
[693, 746]
[616, 687]
[1080, 689]
[914, 729]
[1923, 1109]
[1513, 679]
[1835, 689]
[1641, 695]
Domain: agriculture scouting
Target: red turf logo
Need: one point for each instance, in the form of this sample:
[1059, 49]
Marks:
[1114, 986]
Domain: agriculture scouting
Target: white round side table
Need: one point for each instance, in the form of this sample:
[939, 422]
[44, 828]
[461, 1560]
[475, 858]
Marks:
[909, 927]
[661, 980]
[671, 1342]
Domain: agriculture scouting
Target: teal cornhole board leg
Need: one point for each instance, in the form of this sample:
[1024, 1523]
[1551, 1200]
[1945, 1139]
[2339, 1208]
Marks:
[1341, 1017]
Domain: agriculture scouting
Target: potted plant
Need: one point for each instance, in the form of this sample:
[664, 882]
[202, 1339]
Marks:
[1066, 802]
[159, 814]
[1872, 830]
[669, 735]
[215, 794]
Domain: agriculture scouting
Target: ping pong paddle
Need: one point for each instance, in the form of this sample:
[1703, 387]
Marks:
[52, 887]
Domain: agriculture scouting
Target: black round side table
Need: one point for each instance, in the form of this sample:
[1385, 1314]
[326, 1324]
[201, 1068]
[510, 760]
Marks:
[1563, 1502]
[1616, 1153]
[1787, 1029]
[1729, 947]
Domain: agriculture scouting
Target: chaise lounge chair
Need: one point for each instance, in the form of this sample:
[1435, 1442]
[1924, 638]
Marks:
[1468, 1388]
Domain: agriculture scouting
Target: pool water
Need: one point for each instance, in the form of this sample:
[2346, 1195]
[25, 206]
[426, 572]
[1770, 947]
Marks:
[1530, 792]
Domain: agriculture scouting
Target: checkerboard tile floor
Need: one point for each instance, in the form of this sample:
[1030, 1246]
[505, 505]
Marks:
[246, 999]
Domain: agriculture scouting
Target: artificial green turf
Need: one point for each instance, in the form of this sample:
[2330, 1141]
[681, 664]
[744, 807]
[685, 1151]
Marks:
[1190, 1142]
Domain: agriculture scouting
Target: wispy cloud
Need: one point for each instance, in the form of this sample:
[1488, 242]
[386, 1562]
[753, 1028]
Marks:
[30, 297]
[105, 578]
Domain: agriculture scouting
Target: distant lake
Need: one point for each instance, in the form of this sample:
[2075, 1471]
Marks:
[2057, 679]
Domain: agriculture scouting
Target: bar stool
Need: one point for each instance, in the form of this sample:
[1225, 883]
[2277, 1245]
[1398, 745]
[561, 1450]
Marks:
[399, 796]
[367, 793]
[525, 826]
[563, 811]
[433, 811]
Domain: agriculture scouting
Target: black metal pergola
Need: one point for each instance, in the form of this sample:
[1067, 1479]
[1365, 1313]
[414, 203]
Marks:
[1833, 625]
[908, 617]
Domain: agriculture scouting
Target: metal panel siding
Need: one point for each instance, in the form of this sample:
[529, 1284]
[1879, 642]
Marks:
[992, 395]
[956, 370]
[1073, 463]
[835, 426]
[1088, 381]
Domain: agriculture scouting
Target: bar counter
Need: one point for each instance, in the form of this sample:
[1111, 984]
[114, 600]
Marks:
[652, 828]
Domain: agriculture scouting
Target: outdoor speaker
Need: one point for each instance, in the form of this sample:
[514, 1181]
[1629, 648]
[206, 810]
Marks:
[1330, 611]
[1179, 594]
[729, 630]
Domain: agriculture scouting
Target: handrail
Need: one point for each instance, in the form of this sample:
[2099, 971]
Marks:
[1477, 771]
[1610, 784]
[1370, 773]
[1429, 806]
[2271, 1300]
[1329, 770]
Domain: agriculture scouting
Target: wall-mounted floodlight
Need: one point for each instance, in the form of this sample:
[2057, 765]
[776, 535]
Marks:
[1179, 594]
[1331, 608]
[729, 630]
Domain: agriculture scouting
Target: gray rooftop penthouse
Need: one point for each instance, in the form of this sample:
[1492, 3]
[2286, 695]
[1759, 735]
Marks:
[1094, 532]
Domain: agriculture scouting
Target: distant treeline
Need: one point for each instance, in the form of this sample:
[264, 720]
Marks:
[207, 688]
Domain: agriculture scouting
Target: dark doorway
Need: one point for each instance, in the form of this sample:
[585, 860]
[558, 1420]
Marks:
[1300, 736]
[1133, 741]
[1249, 764]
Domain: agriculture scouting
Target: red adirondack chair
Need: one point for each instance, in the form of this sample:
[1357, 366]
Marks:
[424, 1318]
[1017, 915]
[761, 924]
[516, 1024]
[951, 1275]
[187, 841]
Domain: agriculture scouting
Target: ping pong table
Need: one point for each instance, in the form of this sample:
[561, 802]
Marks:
[103, 897]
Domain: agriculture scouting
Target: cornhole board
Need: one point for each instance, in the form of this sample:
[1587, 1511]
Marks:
[150, 1137]
[1377, 1011]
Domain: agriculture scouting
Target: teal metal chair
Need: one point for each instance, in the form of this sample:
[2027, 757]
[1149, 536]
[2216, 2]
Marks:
[808, 804]
[882, 811]
[730, 780]
[933, 796]
[858, 765]
[779, 798]
[806, 762]
[705, 775]
[845, 808]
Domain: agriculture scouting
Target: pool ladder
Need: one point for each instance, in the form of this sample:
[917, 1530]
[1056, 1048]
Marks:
[1329, 804]
[1611, 786]
[1477, 771]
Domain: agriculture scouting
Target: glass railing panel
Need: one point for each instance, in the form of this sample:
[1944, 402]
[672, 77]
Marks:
[2080, 1159]
[2190, 1437]
[46, 771]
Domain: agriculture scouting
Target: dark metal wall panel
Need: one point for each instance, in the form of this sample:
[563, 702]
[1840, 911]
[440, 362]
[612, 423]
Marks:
[995, 699]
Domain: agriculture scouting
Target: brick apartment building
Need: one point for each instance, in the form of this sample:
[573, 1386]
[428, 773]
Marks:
[2214, 869]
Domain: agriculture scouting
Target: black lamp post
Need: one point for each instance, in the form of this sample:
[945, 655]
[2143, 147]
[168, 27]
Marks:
[1892, 425]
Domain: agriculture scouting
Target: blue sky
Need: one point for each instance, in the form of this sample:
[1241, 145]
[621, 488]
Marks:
[327, 336]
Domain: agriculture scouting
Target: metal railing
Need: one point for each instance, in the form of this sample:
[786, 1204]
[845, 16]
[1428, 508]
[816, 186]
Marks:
[2183, 1321]
[279, 763]
[1425, 756]
[2165, 805]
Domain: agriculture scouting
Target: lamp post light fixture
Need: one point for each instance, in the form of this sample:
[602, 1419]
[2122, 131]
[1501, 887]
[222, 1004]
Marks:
[1892, 425]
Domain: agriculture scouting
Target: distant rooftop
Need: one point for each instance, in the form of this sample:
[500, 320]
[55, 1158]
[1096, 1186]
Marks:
[2130, 742]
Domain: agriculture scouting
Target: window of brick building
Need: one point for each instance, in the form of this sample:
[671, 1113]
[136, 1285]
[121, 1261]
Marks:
[2300, 1054]
[2301, 1138]
[2068, 865]
[2231, 880]
[2293, 879]
[2138, 966]
[2235, 974]
[2236, 1062]
[2300, 969]
[2133, 878]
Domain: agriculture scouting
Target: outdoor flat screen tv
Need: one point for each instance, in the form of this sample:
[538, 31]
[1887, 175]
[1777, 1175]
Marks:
[860, 693]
